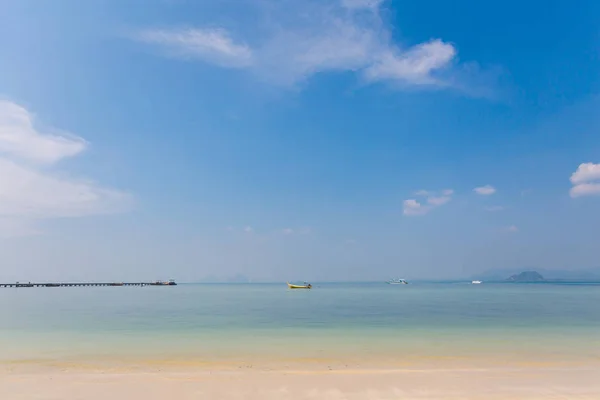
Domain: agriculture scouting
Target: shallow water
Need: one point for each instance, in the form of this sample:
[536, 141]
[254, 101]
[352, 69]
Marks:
[212, 320]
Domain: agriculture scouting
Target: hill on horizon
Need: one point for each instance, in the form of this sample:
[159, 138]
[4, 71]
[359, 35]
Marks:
[549, 274]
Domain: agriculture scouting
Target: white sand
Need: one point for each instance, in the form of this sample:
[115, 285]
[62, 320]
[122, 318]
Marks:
[66, 382]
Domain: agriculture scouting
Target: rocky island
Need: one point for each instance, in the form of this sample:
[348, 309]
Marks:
[527, 276]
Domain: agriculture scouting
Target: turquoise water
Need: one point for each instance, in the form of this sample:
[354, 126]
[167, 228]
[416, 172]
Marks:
[332, 319]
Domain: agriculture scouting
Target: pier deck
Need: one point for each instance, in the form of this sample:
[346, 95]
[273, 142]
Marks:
[82, 284]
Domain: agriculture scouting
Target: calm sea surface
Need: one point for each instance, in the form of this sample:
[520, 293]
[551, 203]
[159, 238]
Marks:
[332, 319]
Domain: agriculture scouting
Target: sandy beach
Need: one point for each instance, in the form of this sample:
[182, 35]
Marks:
[36, 380]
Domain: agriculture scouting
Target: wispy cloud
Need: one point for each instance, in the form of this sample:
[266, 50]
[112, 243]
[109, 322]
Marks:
[358, 4]
[277, 232]
[438, 201]
[415, 66]
[414, 207]
[29, 192]
[19, 139]
[512, 229]
[586, 180]
[313, 37]
[296, 231]
[486, 190]
[211, 45]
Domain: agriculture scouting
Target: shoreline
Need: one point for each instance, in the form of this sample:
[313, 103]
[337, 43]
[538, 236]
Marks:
[308, 363]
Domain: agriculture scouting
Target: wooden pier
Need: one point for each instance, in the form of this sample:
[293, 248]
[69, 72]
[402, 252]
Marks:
[82, 284]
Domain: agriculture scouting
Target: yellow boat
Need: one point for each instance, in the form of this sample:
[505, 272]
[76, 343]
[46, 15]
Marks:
[305, 286]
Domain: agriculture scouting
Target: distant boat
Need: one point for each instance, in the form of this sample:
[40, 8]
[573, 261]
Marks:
[476, 282]
[304, 286]
[397, 282]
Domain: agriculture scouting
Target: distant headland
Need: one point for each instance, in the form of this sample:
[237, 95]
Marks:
[549, 275]
[526, 276]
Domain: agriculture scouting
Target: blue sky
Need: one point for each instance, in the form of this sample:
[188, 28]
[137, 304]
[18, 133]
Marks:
[337, 139]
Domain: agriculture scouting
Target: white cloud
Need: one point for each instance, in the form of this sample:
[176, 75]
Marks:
[287, 231]
[414, 66]
[293, 55]
[412, 207]
[486, 190]
[585, 189]
[248, 229]
[29, 192]
[212, 45]
[586, 180]
[305, 38]
[26, 192]
[19, 139]
[586, 172]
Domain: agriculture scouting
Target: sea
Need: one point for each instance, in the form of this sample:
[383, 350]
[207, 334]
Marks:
[347, 322]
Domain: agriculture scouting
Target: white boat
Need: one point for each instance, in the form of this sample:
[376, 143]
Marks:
[397, 282]
[476, 282]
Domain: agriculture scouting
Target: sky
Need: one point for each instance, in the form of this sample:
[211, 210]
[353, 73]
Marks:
[297, 140]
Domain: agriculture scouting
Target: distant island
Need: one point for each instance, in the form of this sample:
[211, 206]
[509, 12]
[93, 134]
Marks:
[527, 276]
[572, 275]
